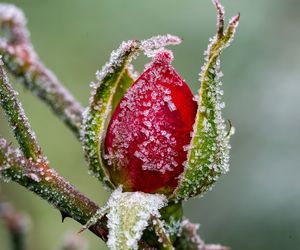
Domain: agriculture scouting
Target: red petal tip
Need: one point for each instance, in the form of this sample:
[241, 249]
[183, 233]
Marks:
[163, 57]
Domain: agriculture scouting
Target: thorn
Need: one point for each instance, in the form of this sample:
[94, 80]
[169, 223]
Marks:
[231, 129]
[63, 216]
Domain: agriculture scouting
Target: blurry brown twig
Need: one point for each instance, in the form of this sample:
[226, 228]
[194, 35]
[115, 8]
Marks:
[74, 242]
[46, 183]
[16, 224]
[189, 239]
[22, 61]
[29, 167]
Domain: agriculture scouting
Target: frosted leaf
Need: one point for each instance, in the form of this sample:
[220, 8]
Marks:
[208, 156]
[129, 216]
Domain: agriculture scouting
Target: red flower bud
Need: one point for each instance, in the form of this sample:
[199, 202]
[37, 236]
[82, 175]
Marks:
[147, 134]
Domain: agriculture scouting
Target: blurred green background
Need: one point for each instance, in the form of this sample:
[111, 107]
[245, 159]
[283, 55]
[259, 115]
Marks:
[256, 205]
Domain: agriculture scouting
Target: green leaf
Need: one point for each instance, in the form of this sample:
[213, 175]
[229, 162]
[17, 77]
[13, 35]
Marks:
[208, 155]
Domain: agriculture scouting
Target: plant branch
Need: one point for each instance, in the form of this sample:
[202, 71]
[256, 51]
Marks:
[190, 240]
[16, 224]
[23, 62]
[17, 118]
[47, 184]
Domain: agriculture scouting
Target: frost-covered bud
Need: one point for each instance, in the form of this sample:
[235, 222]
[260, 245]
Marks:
[147, 137]
[159, 139]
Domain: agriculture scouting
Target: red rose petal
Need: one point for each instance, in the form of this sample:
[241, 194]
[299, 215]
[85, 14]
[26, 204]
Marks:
[148, 131]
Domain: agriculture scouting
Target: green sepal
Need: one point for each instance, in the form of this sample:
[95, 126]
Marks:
[102, 100]
[208, 154]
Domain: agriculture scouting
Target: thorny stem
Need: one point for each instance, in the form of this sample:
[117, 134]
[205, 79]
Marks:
[23, 62]
[46, 183]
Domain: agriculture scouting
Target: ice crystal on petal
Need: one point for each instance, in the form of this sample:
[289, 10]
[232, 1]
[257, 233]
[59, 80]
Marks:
[106, 94]
[150, 126]
[129, 216]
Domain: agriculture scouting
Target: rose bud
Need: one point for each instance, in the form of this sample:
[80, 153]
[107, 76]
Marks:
[147, 134]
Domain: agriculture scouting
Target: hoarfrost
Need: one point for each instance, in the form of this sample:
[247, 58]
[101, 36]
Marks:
[208, 157]
[100, 107]
[151, 45]
[9, 12]
[34, 177]
[145, 116]
[129, 216]
[16, 116]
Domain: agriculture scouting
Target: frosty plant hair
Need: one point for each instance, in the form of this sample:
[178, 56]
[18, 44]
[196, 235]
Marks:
[146, 138]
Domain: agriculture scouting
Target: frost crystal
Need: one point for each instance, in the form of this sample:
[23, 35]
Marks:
[208, 156]
[112, 82]
[101, 101]
[149, 128]
[129, 216]
[17, 118]
[10, 12]
[151, 45]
